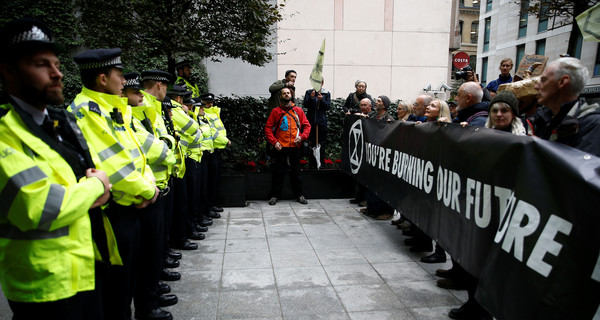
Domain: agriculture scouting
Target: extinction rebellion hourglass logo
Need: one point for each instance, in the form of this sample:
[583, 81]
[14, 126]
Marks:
[356, 146]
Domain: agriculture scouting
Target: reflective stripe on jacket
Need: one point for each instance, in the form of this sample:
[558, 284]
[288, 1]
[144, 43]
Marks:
[46, 248]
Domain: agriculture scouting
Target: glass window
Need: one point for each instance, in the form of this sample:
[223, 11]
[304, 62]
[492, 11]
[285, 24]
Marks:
[540, 47]
[597, 64]
[475, 3]
[488, 6]
[460, 25]
[523, 18]
[486, 35]
[578, 47]
[520, 54]
[543, 17]
[474, 31]
[484, 67]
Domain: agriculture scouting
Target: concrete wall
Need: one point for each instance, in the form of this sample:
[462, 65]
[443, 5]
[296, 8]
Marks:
[397, 46]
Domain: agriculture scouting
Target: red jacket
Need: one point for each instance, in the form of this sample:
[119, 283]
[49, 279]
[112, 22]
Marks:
[286, 138]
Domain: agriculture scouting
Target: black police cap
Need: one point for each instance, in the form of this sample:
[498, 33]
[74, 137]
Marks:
[167, 103]
[132, 81]
[156, 75]
[207, 97]
[182, 64]
[99, 59]
[176, 90]
[25, 34]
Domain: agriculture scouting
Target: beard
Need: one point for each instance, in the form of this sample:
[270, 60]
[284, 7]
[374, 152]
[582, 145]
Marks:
[286, 100]
[50, 94]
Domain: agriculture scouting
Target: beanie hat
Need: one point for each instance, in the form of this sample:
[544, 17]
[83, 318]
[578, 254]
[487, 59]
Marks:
[508, 98]
[386, 101]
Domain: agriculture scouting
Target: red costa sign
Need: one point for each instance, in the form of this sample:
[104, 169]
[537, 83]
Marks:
[460, 60]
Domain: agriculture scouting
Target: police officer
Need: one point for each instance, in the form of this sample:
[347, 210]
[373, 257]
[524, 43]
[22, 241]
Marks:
[220, 142]
[103, 116]
[48, 186]
[184, 77]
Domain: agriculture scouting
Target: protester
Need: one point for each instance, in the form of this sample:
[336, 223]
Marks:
[471, 110]
[381, 106]
[317, 105]
[287, 82]
[353, 101]
[405, 111]
[286, 128]
[503, 114]
[505, 66]
[567, 118]
[52, 275]
[421, 102]
[453, 109]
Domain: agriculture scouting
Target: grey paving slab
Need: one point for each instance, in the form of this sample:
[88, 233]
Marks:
[322, 219]
[211, 246]
[315, 300]
[331, 242]
[384, 255]
[328, 316]
[294, 277]
[246, 260]
[323, 230]
[416, 294]
[248, 279]
[300, 258]
[402, 271]
[331, 257]
[255, 222]
[289, 244]
[196, 281]
[400, 314]
[353, 274]
[246, 245]
[432, 313]
[245, 214]
[285, 231]
[247, 232]
[280, 220]
[203, 262]
[368, 297]
[199, 305]
[309, 212]
[244, 304]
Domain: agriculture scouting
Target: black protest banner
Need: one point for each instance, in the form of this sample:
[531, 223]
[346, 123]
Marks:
[518, 212]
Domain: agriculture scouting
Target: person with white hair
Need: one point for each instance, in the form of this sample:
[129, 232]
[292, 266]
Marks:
[567, 118]
[471, 110]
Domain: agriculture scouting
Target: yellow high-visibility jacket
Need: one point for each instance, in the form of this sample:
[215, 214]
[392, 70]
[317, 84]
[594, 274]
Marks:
[46, 248]
[189, 131]
[117, 151]
[213, 114]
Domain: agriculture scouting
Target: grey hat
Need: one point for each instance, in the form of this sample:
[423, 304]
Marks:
[386, 101]
[508, 98]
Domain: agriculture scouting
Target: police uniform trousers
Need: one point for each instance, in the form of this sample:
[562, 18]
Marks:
[281, 159]
[202, 202]
[178, 227]
[168, 218]
[118, 287]
[215, 163]
[150, 258]
[193, 172]
[85, 305]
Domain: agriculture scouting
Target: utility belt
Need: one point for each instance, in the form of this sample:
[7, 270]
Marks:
[164, 191]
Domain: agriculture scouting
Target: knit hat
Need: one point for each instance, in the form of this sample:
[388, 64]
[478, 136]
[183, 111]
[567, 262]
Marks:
[508, 98]
[386, 101]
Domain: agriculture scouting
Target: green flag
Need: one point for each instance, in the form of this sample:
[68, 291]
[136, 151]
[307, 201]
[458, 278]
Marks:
[589, 23]
[316, 76]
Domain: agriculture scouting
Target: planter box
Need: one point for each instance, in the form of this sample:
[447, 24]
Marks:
[316, 184]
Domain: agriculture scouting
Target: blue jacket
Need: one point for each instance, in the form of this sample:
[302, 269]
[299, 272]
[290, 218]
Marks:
[317, 114]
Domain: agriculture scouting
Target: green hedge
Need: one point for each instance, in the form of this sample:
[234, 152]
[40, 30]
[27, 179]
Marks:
[245, 118]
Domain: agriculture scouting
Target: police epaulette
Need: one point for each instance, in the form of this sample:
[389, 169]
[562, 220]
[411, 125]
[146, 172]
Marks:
[94, 107]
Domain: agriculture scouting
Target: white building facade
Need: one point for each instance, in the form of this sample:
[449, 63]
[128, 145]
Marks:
[396, 46]
[506, 33]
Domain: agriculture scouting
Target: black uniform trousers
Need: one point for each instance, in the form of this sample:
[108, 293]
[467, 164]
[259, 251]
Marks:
[215, 164]
[193, 172]
[150, 258]
[203, 203]
[119, 283]
[281, 159]
[168, 217]
[180, 210]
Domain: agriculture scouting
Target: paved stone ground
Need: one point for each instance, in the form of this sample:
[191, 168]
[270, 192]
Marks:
[323, 260]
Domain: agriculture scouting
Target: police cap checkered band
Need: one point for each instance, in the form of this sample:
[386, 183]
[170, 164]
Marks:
[24, 31]
[132, 80]
[99, 58]
[156, 75]
[167, 102]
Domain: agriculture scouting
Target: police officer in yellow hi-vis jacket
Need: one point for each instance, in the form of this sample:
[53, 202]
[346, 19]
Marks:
[47, 186]
[103, 116]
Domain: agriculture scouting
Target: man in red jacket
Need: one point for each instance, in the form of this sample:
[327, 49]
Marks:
[286, 128]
